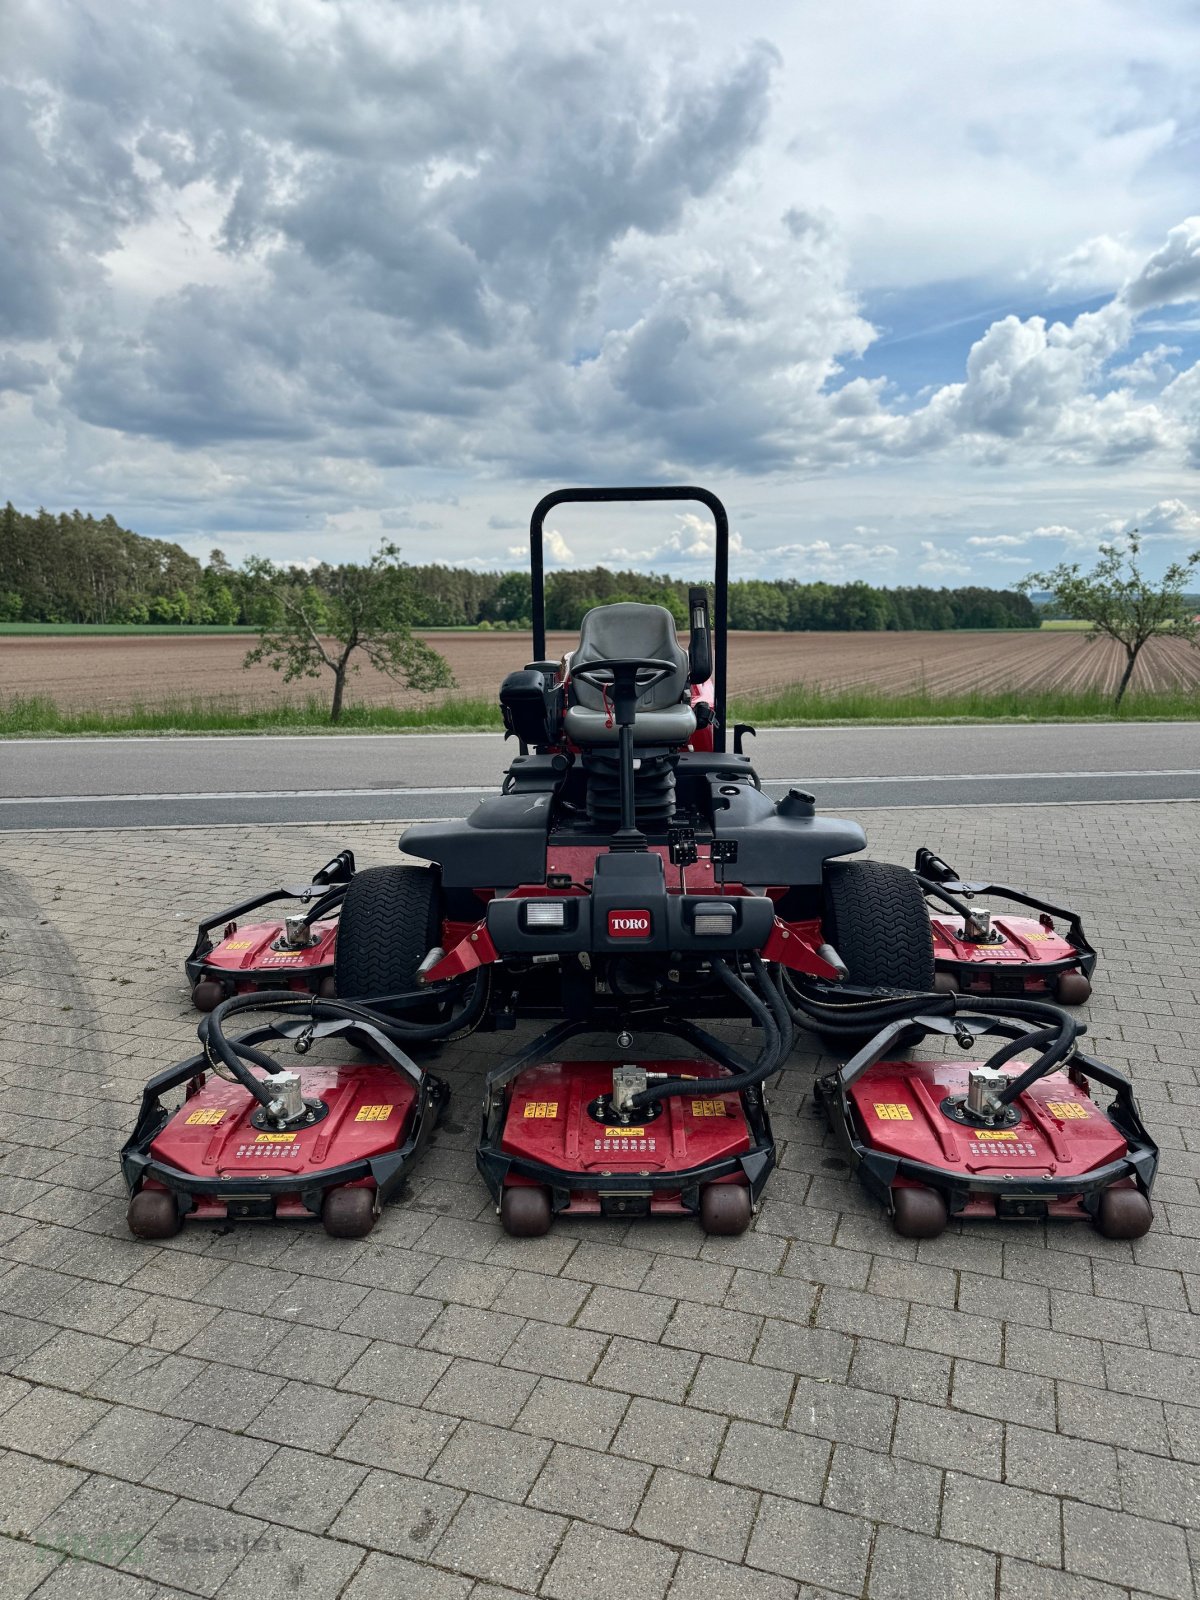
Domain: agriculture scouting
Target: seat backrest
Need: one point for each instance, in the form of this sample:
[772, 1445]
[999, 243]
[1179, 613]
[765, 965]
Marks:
[629, 628]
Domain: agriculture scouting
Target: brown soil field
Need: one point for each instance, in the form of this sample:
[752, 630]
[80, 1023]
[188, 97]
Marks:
[82, 673]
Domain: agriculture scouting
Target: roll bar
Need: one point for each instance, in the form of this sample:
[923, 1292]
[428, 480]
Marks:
[721, 573]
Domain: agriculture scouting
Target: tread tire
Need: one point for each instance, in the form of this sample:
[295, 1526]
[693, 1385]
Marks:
[390, 920]
[877, 922]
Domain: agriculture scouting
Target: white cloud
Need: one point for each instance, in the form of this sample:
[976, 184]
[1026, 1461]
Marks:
[939, 562]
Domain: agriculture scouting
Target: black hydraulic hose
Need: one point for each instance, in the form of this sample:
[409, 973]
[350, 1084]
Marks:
[767, 1062]
[1016, 1047]
[928, 886]
[218, 1048]
[331, 898]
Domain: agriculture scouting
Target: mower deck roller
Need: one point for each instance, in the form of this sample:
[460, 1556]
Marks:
[941, 1138]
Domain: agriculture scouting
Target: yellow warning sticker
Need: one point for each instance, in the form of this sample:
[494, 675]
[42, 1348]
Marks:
[373, 1113]
[893, 1113]
[238, 944]
[541, 1108]
[709, 1108]
[1067, 1110]
[993, 1133]
[209, 1115]
[624, 1133]
[274, 1138]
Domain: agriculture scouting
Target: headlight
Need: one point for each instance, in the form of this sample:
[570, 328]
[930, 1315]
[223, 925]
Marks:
[714, 919]
[545, 914]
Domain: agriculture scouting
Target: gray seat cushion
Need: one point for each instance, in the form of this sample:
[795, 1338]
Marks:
[628, 628]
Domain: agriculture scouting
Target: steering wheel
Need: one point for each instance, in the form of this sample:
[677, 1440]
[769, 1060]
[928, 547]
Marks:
[639, 673]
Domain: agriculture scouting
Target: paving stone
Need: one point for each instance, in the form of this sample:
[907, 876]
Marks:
[301, 1490]
[944, 1438]
[811, 1544]
[386, 1435]
[612, 1265]
[1126, 1550]
[1008, 1520]
[694, 1326]
[839, 1411]
[1006, 1396]
[572, 1413]
[808, 1352]
[592, 1486]
[483, 1392]
[224, 1397]
[646, 1369]
[640, 1316]
[23, 1567]
[286, 1562]
[404, 1516]
[393, 1578]
[494, 1461]
[1112, 1418]
[595, 1564]
[194, 1547]
[894, 1370]
[769, 1459]
[467, 1331]
[103, 1520]
[670, 1436]
[314, 1355]
[1167, 1491]
[71, 1360]
[1056, 1465]
[697, 1514]
[127, 1443]
[850, 1311]
[886, 1490]
[1183, 1432]
[30, 1490]
[702, 1578]
[209, 1464]
[679, 1279]
[390, 1372]
[788, 1299]
[911, 1280]
[503, 1543]
[1023, 1580]
[558, 1352]
[953, 1333]
[905, 1565]
[737, 1390]
[45, 1422]
[827, 1264]
[1153, 1375]
[542, 1299]
[308, 1416]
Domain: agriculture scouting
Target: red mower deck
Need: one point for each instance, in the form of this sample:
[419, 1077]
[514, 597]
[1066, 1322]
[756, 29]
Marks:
[1052, 1153]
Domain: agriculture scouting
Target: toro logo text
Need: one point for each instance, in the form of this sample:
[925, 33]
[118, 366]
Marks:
[628, 924]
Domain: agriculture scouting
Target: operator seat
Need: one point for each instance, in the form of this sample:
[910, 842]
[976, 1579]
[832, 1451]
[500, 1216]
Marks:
[629, 628]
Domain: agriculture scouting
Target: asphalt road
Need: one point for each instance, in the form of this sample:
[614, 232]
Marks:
[157, 782]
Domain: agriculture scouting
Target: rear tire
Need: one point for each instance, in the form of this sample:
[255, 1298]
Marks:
[725, 1209]
[348, 1213]
[525, 1212]
[390, 920]
[918, 1213]
[207, 994]
[1124, 1214]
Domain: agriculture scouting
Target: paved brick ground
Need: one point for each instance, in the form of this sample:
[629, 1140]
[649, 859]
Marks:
[613, 1412]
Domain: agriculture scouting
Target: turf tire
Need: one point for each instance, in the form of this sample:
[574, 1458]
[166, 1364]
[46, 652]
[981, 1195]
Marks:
[876, 920]
[391, 919]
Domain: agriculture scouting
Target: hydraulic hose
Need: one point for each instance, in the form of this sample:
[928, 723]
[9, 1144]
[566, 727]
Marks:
[928, 886]
[228, 1056]
[769, 1059]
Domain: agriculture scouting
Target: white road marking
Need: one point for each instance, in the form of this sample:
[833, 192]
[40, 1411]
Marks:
[494, 788]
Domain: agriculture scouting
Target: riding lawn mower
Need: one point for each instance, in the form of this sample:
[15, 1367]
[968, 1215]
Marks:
[632, 879]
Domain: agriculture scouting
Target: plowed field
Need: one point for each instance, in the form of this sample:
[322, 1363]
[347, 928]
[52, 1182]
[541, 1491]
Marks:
[82, 673]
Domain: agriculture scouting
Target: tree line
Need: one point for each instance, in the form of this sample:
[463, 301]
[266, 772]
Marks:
[83, 569]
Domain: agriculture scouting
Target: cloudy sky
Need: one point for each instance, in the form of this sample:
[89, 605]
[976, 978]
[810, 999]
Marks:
[915, 288]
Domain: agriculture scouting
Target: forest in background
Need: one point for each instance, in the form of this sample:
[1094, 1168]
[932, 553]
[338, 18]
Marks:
[72, 568]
